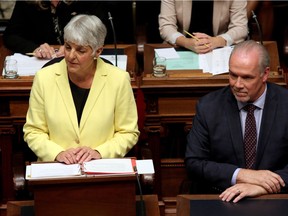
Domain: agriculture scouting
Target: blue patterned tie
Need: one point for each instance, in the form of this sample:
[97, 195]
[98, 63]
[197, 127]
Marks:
[250, 136]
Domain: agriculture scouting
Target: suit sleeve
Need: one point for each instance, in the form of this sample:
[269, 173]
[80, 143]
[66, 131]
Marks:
[36, 130]
[168, 23]
[238, 26]
[126, 131]
[200, 159]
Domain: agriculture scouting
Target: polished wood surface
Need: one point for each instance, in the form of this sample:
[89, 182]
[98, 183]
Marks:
[151, 206]
[183, 201]
[103, 195]
[14, 208]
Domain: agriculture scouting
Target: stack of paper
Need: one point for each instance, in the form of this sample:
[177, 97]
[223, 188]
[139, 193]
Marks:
[28, 66]
[43, 170]
[215, 62]
[115, 166]
[121, 60]
[109, 166]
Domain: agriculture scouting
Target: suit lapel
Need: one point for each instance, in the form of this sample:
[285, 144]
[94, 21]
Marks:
[234, 125]
[218, 6]
[98, 84]
[64, 89]
[268, 116]
[187, 8]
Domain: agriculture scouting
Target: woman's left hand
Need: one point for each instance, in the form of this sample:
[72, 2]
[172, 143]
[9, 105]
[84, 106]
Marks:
[84, 154]
[207, 41]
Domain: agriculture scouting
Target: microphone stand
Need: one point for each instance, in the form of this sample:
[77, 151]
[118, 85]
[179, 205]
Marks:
[114, 36]
[142, 211]
[258, 26]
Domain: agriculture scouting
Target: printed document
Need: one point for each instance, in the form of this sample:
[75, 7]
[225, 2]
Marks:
[29, 65]
[214, 62]
[113, 166]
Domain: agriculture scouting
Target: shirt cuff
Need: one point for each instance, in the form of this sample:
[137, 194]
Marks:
[234, 177]
[174, 37]
[229, 40]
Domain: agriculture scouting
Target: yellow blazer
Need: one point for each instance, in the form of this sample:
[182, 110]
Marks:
[229, 19]
[109, 119]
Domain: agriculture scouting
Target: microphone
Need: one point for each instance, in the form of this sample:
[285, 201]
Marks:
[141, 211]
[258, 26]
[114, 36]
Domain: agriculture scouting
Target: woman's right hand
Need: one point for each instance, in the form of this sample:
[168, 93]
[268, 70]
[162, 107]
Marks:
[45, 51]
[68, 156]
[197, 46]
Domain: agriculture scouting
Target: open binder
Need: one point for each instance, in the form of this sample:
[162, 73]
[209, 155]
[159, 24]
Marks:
[114, 166]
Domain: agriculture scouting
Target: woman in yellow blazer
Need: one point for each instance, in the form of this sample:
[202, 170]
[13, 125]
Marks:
[228, 19]
[81, 108]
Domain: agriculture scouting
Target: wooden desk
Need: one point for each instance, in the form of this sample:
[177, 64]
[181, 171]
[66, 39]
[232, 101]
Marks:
[104, 195]
[125, 49]
[207, 205]
[151, 206]
[14, 99]
[170, 107]
[149, 54]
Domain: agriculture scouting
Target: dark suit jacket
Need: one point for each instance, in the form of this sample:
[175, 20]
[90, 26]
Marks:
[215, 142]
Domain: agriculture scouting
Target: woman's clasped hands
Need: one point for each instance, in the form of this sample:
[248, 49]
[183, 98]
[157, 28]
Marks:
[78, 155]
[202, 43]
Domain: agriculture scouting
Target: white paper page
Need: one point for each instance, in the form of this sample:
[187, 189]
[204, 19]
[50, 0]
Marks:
[42, 170]
[168, 53]
[28, 66]
[121, 60]
[220, 61]
[145, 166]
[28, 172]
[205, 62]
[120, 165]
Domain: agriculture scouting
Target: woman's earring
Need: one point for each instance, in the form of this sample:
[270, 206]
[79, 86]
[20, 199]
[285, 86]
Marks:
[94, 58]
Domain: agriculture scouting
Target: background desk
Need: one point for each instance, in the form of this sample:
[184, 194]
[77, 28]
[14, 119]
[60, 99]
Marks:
[207, 205]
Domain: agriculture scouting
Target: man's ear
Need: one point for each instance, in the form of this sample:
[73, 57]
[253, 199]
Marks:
[266, 74]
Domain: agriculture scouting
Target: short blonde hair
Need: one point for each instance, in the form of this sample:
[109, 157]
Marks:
[86, 30]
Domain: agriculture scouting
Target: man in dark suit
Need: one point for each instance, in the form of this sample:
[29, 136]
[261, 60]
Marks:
[215, 156]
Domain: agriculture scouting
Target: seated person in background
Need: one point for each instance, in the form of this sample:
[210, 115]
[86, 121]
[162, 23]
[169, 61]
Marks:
[81, 108]
[36, 25]
[216, 156]
[214, 23]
